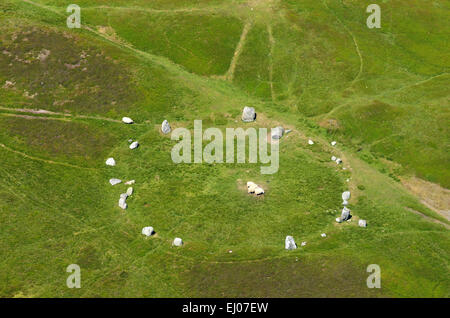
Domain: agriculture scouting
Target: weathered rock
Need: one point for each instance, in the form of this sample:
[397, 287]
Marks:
[148, 231]
[248, 114]
[123, 204]
[277, 132]
[165, 127]
[362, 223]
[129, 191]
[333, 143]
[345, 214]
[310, 142]
[130, 182]
[134, 145]
[110, 162]
[124, 196]
[345, 197]
[289, 243]
[251, 186]
[338, 160]
[323, 235]
[127, 120]
[259, 191]
[177, 242]
[114, 181]
[333, 158]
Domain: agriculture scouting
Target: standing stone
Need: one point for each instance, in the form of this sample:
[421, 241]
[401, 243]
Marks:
[114, 181]
[147, 231]
[110, 162]
[177, 242]
[124, 196]
[259, 191]
[289, 243]
[134, 145]
[345, 197]
[248, 114]
[129, 191]
[338, 160]
[277, 132]
[122, 203]
[345, 214]
[127, 120]
[165, 127]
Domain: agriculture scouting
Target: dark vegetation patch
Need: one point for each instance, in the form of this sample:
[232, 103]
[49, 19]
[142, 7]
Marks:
[288, 277]
[59, 71]
[72, 141]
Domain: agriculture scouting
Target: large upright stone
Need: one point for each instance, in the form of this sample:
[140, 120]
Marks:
[277, 132]
[122, 203]
[165, 127]
[248, 114]
[345, 197]
[289, 243]
[147, 231]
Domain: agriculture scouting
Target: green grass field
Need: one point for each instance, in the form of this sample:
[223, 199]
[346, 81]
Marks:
[312, 66]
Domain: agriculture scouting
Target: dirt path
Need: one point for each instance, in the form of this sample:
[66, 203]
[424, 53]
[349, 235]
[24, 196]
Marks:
[230, 73]
[272, 45]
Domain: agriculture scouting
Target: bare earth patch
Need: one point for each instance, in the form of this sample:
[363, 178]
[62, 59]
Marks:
[432, 195]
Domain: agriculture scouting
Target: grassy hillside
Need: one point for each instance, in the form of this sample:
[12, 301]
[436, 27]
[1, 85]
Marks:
[311, 66]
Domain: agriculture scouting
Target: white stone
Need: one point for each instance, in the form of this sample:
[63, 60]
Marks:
[127, 120]
[338, 160]
[129, 191]
[323, 235]
[303, 243]
[277, 132]
[345, 197]
[362, 223]
[130, 182]
[134, 145]
[122, 203]
[310, 142]
[114, 181]
[123, 195]
[333, 143]
[248, 114]
[165, 127]
[147, 231]
[289, 243]
[251, 187]
[177, 242]
[110, 162]
[259, 191]
[333, 158]
[345, 214]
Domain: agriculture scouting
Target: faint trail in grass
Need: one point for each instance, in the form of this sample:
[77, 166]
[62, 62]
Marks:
[427, 217]
[393, 91]
[45, 160]
[230, 73]
[51, 113]
[150, 10]
[272, 45]
[361, 61]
